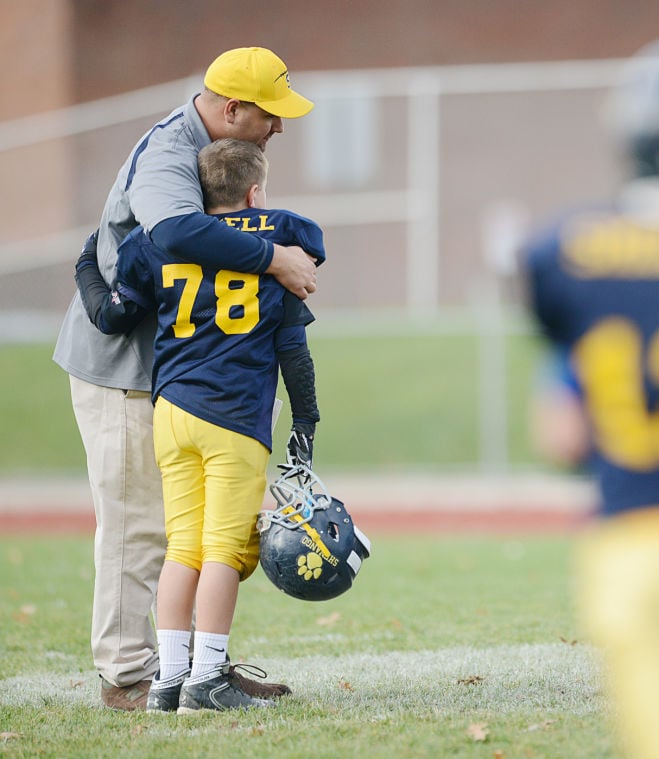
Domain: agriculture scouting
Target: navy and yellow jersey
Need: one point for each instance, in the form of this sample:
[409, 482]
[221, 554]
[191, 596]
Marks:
[219, 331]
[594, 286]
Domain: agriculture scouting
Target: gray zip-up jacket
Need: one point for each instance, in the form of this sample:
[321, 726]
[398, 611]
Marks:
[158, 182]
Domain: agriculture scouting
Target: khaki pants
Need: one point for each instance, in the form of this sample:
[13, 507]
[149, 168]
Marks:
[116, 427]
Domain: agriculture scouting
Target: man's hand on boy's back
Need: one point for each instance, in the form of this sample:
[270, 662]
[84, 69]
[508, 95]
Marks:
[294, 269]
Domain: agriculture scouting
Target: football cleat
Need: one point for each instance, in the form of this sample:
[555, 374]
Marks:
[164, 696]
[217, 691]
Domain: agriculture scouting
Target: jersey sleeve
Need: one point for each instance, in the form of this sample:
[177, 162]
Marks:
[296, 311]
[307, 234]
[290, 338]
[311, 240]
[557, 369]
[544, 283]
[134, 279]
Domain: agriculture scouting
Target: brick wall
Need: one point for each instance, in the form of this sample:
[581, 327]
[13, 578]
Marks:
[58, 51]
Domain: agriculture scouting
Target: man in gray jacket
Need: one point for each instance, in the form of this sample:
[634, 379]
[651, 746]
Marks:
[246, 95]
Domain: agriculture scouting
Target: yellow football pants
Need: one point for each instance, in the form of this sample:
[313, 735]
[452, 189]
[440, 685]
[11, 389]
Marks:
[618, 597]
[213, 485]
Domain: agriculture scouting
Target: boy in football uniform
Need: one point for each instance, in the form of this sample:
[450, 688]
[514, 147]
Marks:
[221, 338]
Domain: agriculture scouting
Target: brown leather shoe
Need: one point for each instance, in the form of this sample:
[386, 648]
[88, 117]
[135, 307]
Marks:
[253, 687]
[127, 699]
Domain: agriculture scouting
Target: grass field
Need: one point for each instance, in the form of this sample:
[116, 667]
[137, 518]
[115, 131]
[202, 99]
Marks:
[447, 646]
[444, 647]
[405, 402]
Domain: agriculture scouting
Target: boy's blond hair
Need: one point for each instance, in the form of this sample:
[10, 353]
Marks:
[228, 168]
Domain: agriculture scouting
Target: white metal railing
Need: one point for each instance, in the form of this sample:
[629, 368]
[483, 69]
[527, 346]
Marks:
[412, 203]
[400, 82]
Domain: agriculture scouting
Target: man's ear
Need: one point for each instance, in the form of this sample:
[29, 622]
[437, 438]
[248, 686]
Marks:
[251, 196]
[230, 108]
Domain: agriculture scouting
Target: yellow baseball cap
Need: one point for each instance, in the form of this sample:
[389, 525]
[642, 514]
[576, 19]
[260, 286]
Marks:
[256, 75]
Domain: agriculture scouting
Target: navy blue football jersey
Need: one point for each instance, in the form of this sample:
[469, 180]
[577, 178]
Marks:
[219, 331]
[594, 287]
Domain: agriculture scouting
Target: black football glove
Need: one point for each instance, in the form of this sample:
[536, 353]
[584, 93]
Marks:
[88, 253]
[299, 449]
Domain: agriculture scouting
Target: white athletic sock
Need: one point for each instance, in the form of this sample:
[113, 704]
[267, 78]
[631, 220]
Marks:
[174, 652]
[210, 651]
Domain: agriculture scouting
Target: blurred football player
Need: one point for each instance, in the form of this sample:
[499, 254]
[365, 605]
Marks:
[221, 338]
[593, 281]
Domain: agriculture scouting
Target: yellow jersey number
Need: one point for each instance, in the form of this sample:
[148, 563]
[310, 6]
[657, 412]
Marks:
[611, 363]
[233, 290]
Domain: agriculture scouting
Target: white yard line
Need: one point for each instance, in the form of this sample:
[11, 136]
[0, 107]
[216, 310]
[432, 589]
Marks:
[504, 679]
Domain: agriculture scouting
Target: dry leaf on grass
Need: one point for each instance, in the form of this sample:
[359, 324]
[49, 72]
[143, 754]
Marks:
[478, 731]
[544, 725]
[9, 736]
[471, 680]
[330, 619]
[25, 613]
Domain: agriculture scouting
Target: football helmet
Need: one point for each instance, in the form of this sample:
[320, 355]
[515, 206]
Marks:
[632, 110]
[310, 548]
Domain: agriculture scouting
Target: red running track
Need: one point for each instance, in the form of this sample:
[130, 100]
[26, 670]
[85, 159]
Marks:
[411, 522]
